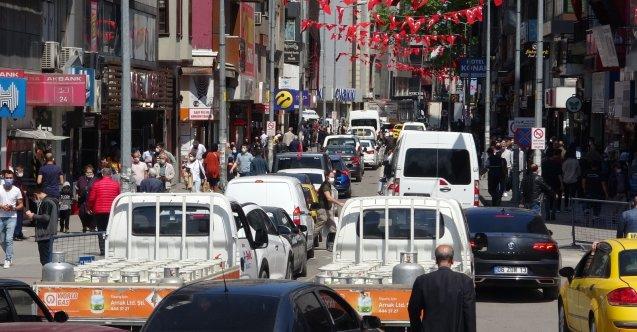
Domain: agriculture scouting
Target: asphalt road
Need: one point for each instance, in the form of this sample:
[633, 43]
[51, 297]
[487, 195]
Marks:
[497, 309]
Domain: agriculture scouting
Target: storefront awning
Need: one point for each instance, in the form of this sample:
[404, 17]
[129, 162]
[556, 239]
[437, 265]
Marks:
[37, 134]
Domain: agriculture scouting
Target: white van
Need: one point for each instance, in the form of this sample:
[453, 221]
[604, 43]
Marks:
[436, 164]
[368, 118]
[310, 115]
[280, 191]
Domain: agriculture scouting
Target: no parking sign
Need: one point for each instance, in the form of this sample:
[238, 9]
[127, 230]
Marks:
[538, 138]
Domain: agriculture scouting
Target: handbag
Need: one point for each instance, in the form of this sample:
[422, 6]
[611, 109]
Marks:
[205, 187]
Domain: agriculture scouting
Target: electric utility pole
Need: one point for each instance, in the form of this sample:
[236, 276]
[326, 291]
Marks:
[539, 76]
[125, 134]
[487, 88]
[223, 116]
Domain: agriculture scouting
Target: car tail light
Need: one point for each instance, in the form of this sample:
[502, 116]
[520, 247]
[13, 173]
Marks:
[622, 296]
[472, 243]
[356, 160]
[296, 216]
[545, 246]
[443, 182]
[476, 193]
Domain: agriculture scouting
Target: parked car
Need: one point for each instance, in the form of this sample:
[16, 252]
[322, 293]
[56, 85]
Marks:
[316, 175]
[339, 140]
[365, 132]
[19, 303]
[350, 157]
[293, 234]
[275, 190]
[290, 160]
[513, 248]
[342, 181]
[601, 292]
[372, 153]
[436, 164]
[417, 126]
[257, 305]
[273, 260]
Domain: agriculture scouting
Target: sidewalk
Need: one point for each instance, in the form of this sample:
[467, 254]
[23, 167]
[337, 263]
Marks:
[561, 227]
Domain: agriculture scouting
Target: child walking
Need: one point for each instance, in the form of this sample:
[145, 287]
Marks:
[65, 207]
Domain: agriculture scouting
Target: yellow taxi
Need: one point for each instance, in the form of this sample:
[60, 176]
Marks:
[396, 130]
[601, 292]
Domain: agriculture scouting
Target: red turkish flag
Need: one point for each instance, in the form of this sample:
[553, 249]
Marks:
[372, 3]
[497, 3]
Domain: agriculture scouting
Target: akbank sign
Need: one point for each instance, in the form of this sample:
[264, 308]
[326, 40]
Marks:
[345, 95]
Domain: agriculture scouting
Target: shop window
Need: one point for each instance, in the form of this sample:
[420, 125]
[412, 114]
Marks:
[163, 13]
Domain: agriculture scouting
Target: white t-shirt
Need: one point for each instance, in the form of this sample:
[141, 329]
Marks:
[195, 169]
[10, 197]
[139, 170]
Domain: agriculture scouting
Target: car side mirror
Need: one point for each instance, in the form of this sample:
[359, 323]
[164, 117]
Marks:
[480, 241]
[567, 272]
[302, 228]
[261, 239]
[60, 317]
[371, 322]
[284, 229]
[315, 206]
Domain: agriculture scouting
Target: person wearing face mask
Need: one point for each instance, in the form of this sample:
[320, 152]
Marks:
[243, 162]
[165, 171]
[197, 172]
[160, 149]
[326, 200]
[17, 181]
[10, 204]
[45, 219]
[139, 169]
[82, 188]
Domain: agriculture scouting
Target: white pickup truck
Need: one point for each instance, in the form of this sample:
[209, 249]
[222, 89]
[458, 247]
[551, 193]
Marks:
[194, 235]
[372, 234]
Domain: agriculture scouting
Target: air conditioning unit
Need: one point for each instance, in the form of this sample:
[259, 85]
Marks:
[68, 53]
[258, 18]
[51, 56]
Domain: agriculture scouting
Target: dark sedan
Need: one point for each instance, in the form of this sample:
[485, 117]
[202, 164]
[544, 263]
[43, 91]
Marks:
[350, 157]
[513, 248]
[294, 235]
[342, 181]
[256, 305]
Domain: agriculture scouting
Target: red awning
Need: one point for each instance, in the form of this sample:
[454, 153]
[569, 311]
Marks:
[56, 90]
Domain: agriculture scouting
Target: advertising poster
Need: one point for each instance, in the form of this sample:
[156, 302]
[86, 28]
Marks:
[386, 304]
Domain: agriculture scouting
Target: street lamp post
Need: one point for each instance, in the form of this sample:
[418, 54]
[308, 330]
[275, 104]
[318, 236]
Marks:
[539, 76]
[223, 116]
[487, 88]
[125, 133]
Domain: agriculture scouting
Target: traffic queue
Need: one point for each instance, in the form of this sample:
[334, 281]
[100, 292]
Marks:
[190, 261]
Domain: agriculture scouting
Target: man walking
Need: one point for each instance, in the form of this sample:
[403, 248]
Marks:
[627, 227]
[244, 159]
[45, 219]
[552, 173]
[10, 204]
[447, 298]
[326, 200]
[106, 190]
[496, 176]
[160, 149]
[50, 177]
[288, 137]
[152, 184]
[139, 169]
[258, 166]
[532, 190]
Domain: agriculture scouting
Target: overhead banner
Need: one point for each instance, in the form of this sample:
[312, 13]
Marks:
[605, 45]
[56, 90]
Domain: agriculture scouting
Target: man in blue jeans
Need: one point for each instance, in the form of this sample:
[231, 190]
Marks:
[10, 204]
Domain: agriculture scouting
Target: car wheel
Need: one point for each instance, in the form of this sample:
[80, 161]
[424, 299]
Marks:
[289, 273]
[561, 316]
[264, 274]
[310, 254]
[592, 327]
[550, 293]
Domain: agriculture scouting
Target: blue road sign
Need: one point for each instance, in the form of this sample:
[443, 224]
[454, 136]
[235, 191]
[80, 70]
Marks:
[473, 68]
[523, 137]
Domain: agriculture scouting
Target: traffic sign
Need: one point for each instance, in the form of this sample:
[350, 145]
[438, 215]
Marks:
[538, 138]
[523, 137]
[284, 99]
[520, 122]
[573, 104]
[271, 128]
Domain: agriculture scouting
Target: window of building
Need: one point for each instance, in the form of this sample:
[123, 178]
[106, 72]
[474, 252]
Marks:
[163, 12]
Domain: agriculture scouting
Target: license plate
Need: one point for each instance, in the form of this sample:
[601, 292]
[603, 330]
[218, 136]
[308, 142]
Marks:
[631, 236]
[510, 270]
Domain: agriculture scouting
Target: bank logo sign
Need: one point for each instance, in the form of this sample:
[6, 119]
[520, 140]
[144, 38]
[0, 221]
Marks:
[13, 97]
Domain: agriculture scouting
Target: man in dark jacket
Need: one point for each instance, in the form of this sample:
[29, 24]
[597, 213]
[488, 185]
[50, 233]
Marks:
[447, 298]
[45, 219]
[258, 166]
[627, 227]
[532, 190]
[152, 184]
[496, 176]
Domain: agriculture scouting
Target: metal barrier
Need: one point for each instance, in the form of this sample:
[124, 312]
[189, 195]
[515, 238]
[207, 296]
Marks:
[595, 220]
[79, 244]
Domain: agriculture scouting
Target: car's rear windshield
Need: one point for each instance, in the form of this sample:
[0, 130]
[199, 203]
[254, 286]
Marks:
[215, 312]
[299, 162]
[505, 223]
[315, 178]
[413, 127]
[340, 150]
[628, 263]
[363, 123]
[453, 165]
[398, 223]
[341, 141]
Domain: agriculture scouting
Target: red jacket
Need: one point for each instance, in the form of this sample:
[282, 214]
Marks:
[102, 195]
